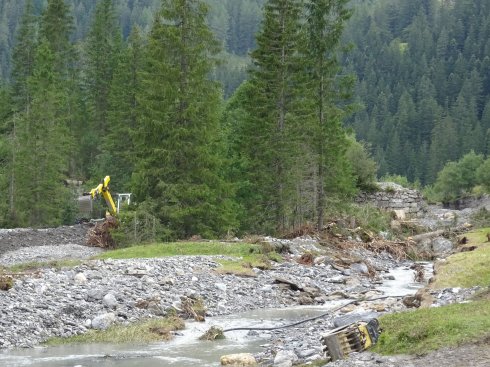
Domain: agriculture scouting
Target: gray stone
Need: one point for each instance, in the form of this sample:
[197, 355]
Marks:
[285, 358]
[359, 268]
[220, 286]
[110, 301]
[80, 279]
[441, 245]
[95, 294]
[102, 322]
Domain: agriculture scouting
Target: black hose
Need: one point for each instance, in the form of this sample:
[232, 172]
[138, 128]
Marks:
[311, 318]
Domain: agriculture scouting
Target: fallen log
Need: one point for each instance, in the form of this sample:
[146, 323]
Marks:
[427, 236]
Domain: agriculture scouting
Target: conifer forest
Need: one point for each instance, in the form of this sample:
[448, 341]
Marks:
[239, 116]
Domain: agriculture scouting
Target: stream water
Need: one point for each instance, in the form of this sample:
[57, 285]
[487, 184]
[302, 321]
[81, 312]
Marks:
[185, 349]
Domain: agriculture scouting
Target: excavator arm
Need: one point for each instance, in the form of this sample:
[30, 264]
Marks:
[103, 189]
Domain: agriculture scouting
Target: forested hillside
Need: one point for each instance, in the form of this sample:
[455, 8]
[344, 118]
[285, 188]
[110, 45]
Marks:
[233, 22]
[134, 89]
[81, 103]
[423, 69]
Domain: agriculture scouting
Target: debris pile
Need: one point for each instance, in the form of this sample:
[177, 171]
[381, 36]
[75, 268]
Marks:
[100, 234]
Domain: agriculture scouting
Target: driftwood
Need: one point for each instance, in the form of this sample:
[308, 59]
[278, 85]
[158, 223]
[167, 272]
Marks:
[427, 236]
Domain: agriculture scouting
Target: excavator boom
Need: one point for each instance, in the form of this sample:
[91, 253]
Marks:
[103, 189]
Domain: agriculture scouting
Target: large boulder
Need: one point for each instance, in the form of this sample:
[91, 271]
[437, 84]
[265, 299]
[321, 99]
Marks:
[238, 360]
[102, 322]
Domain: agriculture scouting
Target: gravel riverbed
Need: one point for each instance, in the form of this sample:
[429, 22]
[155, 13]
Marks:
[69, 301]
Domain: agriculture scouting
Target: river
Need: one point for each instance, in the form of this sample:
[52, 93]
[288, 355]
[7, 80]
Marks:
[185, 349]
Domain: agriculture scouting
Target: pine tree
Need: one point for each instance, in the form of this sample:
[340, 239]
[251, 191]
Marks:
[56, 28]
[42, 144]
[326, 20]
[23, 57]
[175, 138]
[271, 130]
[102, 50]
[117, 145]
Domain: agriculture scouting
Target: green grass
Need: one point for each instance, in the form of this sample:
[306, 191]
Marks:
[247, 255]
[151, 330]
[467, 269]
[181, 248]
[432, 328]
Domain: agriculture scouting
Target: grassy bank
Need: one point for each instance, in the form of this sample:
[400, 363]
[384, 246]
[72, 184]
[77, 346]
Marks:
[247, 255]
[182, 248]
[147, 331]
[467, 269]
[428, 329]
[423, 330]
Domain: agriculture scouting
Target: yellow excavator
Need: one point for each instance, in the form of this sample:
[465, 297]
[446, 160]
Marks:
[103, 190]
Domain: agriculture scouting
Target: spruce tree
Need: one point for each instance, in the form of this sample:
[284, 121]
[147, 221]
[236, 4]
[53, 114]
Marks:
[326, 20]
[56, 28]
[23, 57]
[116, 157]
[175, 138]
[270, 133]
[43, 146]
[102, 51]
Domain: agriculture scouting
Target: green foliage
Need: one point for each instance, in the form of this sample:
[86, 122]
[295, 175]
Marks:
[364, 168]
[104, 38]
[176, 142]
[483, 174]
[458, 178]
[287, 143]
[364, 216]
[138, 226]
[423, 79]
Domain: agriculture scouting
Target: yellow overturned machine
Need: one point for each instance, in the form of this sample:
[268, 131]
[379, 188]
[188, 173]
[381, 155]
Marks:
[353, 338]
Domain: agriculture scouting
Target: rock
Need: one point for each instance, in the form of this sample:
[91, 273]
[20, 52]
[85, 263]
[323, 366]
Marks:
[441, 245]
[80, 279]
[220, 286]
[110, 301]
[359, 268]
[306, 353]
[238, 360]
[411, 301]
[95, 295]
[395, 225]
[102, 322]
[399, 214]
[285, 358]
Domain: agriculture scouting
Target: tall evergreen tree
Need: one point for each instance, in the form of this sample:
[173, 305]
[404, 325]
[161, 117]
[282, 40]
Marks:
[326, 20]
[56, 28]
[271, 132]
[102, 51]
[43, 146]
[175, 139]
[23, 57]
[116, 158]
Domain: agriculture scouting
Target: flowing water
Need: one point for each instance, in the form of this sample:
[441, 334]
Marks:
[186, 350]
